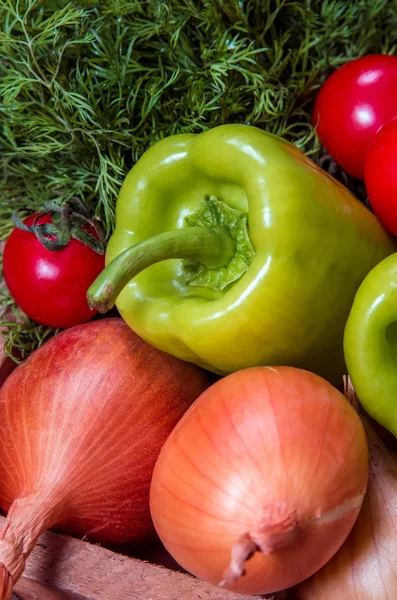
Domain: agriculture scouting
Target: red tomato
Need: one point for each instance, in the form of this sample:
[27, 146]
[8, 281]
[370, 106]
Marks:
[50, 286]
[380, 175]
[353, 103]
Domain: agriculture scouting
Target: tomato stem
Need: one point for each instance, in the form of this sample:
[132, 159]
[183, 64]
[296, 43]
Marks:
[66, 224]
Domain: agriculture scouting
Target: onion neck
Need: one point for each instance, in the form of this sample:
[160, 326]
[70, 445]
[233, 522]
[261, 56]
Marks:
[27, 519]
[273, 535]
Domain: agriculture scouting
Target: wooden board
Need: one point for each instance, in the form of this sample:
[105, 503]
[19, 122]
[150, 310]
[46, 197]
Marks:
[27, 589]
[63, 568]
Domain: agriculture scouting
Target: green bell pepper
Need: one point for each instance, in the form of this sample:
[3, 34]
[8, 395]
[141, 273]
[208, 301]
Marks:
[273, 252]
[370, 343]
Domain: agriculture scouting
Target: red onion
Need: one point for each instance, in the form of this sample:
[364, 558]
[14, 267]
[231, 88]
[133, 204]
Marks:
[81, 424]
[261, 481]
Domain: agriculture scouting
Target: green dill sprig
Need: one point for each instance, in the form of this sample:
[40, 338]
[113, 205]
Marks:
[20, 339]
[21, 335]
[86, 87]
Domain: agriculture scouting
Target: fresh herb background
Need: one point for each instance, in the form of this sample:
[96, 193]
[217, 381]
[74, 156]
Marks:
[87, 87]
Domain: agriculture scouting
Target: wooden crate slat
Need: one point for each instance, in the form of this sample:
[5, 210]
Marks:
[90, 571]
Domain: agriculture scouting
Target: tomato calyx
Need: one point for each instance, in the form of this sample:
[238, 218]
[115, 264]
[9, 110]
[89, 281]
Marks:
[65, 224]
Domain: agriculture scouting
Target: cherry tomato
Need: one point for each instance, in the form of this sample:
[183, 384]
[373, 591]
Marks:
[380, 175]
[50, 286]
[355, 101]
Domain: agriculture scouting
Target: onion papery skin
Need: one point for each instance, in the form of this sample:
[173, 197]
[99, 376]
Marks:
[82, 422]
[272, 455]
[365, 568]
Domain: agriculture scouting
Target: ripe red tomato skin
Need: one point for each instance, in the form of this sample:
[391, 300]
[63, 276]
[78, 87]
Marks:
[354, 102]
[380, 175]
[50, 286]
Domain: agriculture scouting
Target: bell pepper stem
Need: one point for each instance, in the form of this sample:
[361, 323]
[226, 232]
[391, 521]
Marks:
[213, 247]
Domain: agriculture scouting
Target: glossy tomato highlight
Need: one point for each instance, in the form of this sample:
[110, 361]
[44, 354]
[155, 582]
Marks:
[355, 101]
[380, 175]
[50, 285]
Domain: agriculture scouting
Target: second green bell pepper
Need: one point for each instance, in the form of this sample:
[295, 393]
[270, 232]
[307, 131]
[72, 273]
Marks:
[370, 343]
[273, 252]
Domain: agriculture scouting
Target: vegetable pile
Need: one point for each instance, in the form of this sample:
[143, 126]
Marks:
[87, 88]
[186, 287]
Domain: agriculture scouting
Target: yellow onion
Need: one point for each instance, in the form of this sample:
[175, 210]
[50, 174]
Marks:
[261, 481]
